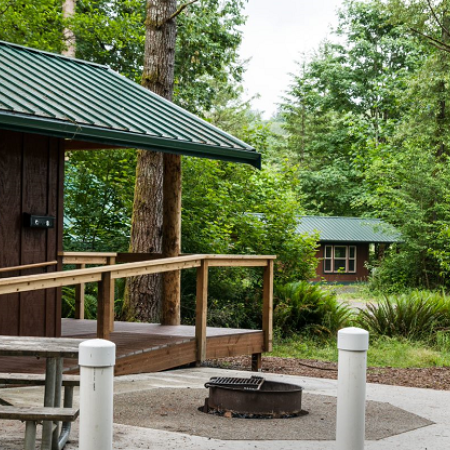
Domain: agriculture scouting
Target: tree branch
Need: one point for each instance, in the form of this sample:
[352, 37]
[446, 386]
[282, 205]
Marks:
[433, 41]
[6, 8]
[180, 9]
[443, 27]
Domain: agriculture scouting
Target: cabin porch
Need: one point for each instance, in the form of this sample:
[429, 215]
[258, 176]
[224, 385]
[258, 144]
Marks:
[145, 347]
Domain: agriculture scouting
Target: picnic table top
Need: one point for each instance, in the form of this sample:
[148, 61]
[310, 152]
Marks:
[39, 346]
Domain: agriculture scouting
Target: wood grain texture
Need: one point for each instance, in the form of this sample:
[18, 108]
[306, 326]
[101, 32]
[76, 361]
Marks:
[38, 414]
[10, 194]
[145, 347]
[30, 181]
[201, 311]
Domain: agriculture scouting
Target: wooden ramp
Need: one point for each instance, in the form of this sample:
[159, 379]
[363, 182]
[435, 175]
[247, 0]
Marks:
[144, 347]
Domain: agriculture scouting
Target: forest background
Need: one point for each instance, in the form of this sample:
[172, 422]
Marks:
[363, 131]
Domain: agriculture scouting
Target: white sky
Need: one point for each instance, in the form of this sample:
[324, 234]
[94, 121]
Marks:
[276, 35]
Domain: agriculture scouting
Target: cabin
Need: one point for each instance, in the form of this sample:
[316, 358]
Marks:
[344, 245]
[49, 105]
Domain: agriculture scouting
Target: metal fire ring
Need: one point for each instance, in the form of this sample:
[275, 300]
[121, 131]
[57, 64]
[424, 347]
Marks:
[253, 397]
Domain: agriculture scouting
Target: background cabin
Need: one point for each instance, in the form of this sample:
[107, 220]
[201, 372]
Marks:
[344, 244]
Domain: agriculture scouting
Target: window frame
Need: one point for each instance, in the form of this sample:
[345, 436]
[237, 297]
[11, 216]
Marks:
[329, 258]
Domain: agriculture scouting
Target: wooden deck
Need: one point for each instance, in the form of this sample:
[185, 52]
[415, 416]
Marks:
[144, 347]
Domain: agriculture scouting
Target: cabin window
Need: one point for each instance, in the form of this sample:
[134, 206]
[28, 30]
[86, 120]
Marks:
[339, 259]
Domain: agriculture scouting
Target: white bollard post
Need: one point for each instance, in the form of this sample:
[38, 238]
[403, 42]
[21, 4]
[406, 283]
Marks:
[97, 358]
[353, 344]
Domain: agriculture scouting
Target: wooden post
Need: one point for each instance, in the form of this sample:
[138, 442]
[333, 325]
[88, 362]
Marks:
[111, 261]
[268, 306]
[201, 311]
[104, 306]
[79, 296]
[256, 362]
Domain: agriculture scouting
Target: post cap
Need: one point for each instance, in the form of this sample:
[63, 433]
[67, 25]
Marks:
[353, 339]
[97, 353]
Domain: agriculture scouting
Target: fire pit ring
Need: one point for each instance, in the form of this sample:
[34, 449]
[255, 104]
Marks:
[253, 397]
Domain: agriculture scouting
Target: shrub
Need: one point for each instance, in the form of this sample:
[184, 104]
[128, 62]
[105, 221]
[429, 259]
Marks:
[90, 300]
[415, 315]
[307, 308]
[68, 304]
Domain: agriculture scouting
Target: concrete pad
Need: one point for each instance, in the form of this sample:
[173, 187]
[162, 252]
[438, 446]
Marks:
[428, 404]
[177, 410]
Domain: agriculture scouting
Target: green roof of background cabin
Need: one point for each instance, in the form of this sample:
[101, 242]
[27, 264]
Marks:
[349, 229]
[50, 94]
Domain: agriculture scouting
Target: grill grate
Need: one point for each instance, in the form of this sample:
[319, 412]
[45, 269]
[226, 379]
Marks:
[253, 383]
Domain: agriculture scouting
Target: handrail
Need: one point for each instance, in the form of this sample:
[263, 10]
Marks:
[105, 276]
[69, 277]
[28, 266]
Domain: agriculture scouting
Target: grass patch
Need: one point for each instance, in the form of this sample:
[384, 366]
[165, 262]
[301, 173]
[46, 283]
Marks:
[305, 348]
[383, 351]
[402, 353]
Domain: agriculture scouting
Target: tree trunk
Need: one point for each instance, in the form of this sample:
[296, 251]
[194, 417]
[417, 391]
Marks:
[172, 237]
[68, 10]
[145, 294]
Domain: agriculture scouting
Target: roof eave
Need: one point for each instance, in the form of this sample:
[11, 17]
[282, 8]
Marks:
[349, 241]
[125, 139]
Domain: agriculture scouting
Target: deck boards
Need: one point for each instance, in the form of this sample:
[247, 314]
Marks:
[144, 347]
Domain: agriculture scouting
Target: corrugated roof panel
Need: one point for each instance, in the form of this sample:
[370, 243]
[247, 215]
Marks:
[51, 94]
[348, 229]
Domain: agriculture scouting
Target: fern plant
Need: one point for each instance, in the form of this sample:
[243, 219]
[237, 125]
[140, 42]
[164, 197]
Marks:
[414, 316]
[302, 307]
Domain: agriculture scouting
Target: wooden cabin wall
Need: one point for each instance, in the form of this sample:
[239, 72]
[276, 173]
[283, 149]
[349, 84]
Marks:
[362, 256]
[31, 181]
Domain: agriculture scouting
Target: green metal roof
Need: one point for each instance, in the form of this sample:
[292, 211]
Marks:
[348, 229]
[50, 94]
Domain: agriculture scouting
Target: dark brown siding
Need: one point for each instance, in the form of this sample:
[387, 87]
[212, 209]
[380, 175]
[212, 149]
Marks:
[362, 256]
[31, 181]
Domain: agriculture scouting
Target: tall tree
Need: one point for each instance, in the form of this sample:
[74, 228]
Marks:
[148, 232]
[155, 226]
[410, 173]
[68, 8]
[343, 101]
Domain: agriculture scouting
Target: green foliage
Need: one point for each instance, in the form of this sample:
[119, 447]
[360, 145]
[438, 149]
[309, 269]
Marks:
[68, 304]
[408, 180]
[98, 200]
[404, 353]
[206, 61]
[32, 23]
[371, 115]
[305, 346]
[237, 210]
[301, 307]
[112, 32]
[343, 101]
[90, 300]
[417, 315]
[383, 351]
[234, 209]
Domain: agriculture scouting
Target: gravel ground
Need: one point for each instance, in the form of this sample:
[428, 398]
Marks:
[431, 378]
[177, 410]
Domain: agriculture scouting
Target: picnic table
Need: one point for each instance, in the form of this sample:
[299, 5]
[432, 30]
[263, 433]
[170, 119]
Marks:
[54, 350]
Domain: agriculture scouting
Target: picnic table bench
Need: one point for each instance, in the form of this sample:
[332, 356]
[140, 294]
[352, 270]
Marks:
[34, 415]
[36, 379]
